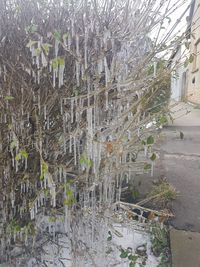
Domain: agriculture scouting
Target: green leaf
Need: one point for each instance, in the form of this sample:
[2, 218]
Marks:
[109, 236]
[52, 219]
[163, 120]
[85, 161]
[65, 35]
[44, 169]
[38, 51]
[9, 97]
[17, 228]
[24, 154]
[191, 58]
[187, 45]
[57, 35]
[132, 264]
[124, 254]
[153, 157]
[135, 193]
[31, 43]
[186, 62]
[143, 143]
[31, 28]
[18, 157]
[46, 192]
[61, 61]
[147, 167]
[150, 140]
[133, 257]
[169, 19]
[46, 47]
[13, 144]
[55, 63]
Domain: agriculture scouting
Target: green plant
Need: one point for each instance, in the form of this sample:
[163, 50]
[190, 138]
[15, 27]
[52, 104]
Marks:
[160, 244]
[197, 107]
[164, 261]
[133, 258]
[163, 193]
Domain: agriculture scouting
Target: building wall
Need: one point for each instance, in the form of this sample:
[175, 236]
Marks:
[178, 77]
[193, 89]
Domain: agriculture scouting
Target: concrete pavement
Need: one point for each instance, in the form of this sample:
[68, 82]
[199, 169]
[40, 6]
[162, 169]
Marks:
[180, 160]
[181, 165]
[185, 248]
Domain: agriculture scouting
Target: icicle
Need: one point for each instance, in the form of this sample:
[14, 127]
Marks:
[27, 185]
[69, 41]
[34, 76]
[24, 188]
[56, 47]
[70, 144]
[45, 112]
[72, 110]
[25, 163]
[77, 45]
[152, 168]
[76, 113]
[12, 196]
[32, 213]
[85, 48]
[154, 69]
[106, 93]
[75, 159]
[145, 150]
[82, 72]
[61, 75]
[44, 61]
[60, 174]
[107, 72]
[48, 123]
[72, 28]
[45, 181]
[77, 63]
[16, 165]
[53, 194]
[77, 73]
[37, 61]
[61, 107]
[21, 188]
[5, 118]
[26, 238]
[54, 78]
[35, 206]
[100, 66]
[38, 76]
[4, 73]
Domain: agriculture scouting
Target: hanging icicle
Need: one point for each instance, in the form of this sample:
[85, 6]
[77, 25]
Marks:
[44, 60]
[72, 110]
[61, 75]
[75, 155]
[56, 47]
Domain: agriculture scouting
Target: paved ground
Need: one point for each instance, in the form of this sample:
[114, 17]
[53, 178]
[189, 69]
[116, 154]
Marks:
[180, 163]
[186, 248]
[180, 160]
